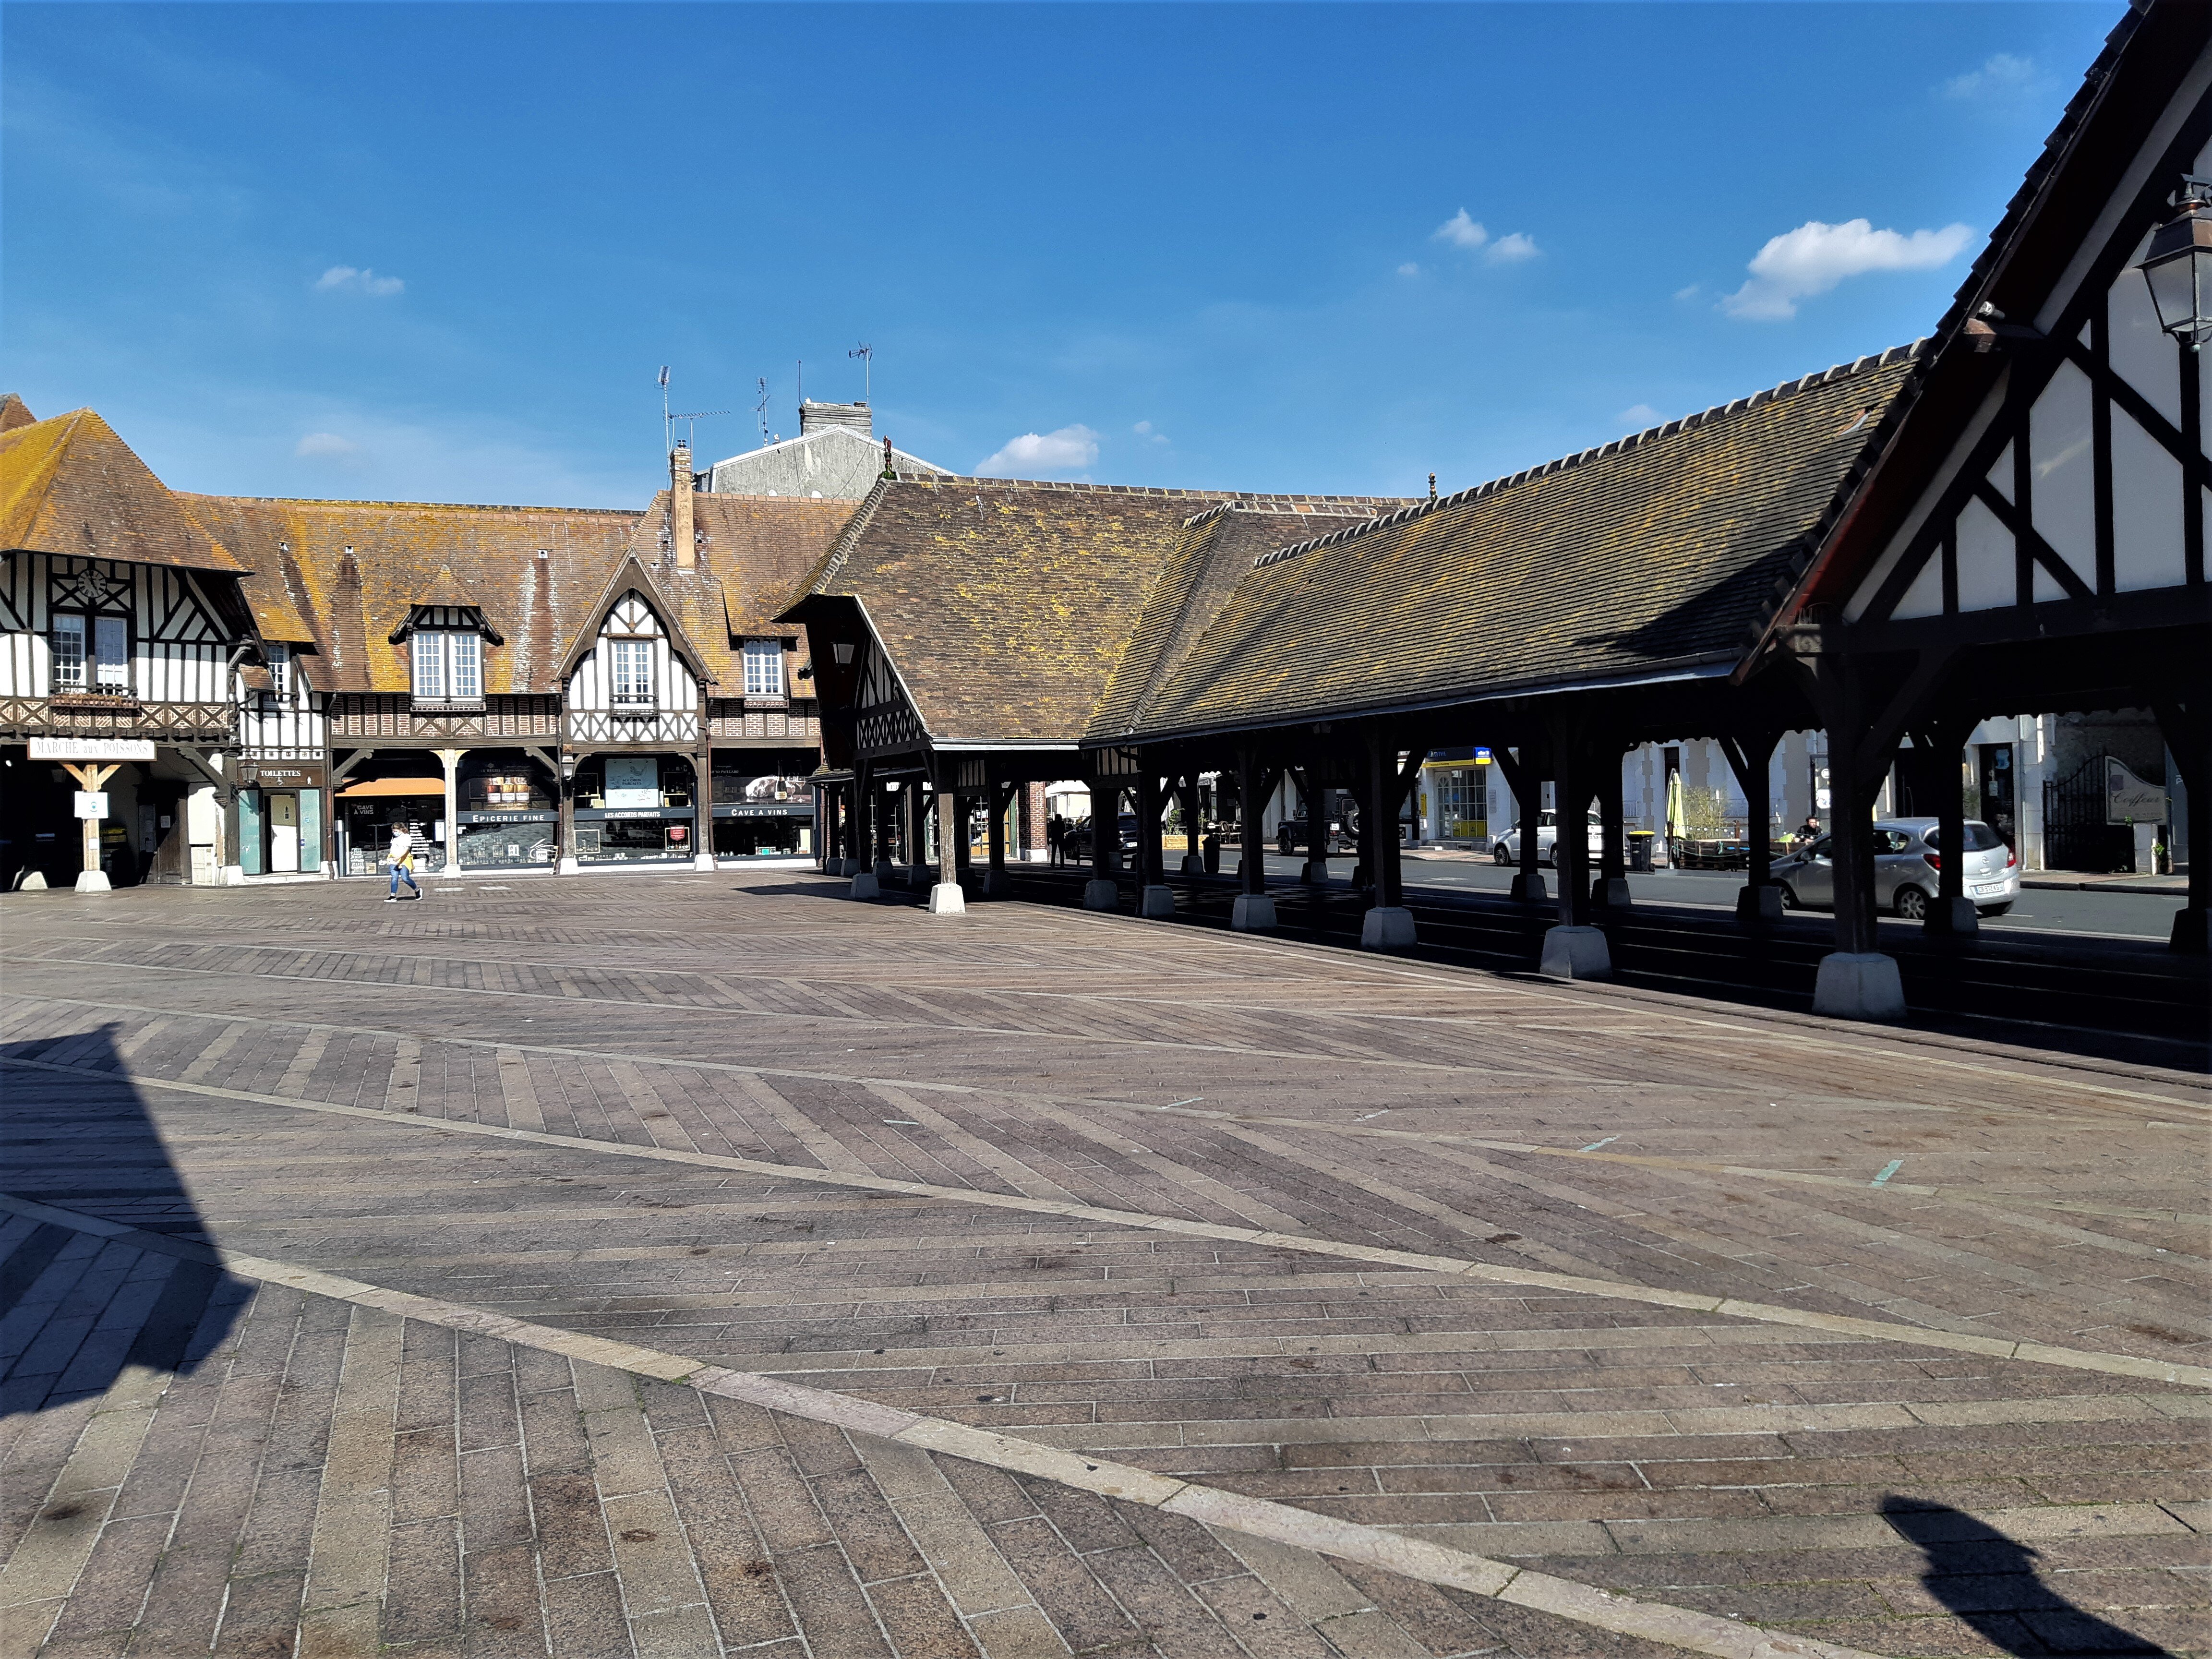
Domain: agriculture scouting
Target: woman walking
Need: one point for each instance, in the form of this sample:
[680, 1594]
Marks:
[402, 857]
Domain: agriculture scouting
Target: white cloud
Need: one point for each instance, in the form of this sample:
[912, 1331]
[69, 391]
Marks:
[1639, 416]
[2002, 76]
[1511, 250]
[345, 279]
[1409, 269]
[1815, 256]
[1147, 431]
[1068, 450]
[1689, 293]
[1460, 231]
[325, 447]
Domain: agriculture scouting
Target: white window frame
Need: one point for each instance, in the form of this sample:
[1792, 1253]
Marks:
[111, 651]
[629, 673]
[66, 651]
[448, 664]
[764, 668]
[279, 669]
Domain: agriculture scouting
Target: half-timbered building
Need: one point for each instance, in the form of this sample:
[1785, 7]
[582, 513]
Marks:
[123, 627]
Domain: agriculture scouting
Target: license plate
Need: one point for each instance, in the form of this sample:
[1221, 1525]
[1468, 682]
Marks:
[1987, 889]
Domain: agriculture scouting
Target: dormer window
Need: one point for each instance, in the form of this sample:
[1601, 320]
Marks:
[279, 669]
[764, 668]
[448, 666]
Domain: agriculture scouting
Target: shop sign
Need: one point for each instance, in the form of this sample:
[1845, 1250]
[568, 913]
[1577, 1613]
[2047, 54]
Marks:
[510, 818]
[632, 780]
[280, 774]
[2128, 799]
[91, 803]
[92, 749]
[768, 810]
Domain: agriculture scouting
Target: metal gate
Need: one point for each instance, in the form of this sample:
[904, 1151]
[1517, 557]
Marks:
[2074, 834]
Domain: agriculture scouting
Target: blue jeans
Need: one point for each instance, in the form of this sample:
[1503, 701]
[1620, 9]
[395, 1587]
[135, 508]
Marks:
[399, 874]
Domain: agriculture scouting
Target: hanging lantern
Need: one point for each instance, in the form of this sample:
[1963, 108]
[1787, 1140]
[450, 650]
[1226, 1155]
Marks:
[2179, 265]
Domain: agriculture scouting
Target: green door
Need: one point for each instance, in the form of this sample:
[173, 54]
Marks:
[311, 829]
[249, 831]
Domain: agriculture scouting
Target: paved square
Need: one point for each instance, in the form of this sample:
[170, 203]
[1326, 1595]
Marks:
[709, 1264]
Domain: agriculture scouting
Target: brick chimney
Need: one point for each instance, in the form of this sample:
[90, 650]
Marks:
[680, 486]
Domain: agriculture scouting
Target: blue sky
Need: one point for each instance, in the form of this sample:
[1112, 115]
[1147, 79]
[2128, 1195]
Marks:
[439, 252]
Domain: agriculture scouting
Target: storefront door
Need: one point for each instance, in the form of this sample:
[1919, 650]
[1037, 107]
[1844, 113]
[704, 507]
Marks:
[1999, 809]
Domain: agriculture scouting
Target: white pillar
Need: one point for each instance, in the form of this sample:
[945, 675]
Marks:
[451, 759]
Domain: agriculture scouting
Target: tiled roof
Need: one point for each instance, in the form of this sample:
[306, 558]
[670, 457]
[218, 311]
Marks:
[69, 485]
[14, 412]
[357, 569]
[1648, 553]
[1007, 607]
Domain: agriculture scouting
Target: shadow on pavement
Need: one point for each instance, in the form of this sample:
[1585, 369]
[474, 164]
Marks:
[76, 1308]
[1990, 1582]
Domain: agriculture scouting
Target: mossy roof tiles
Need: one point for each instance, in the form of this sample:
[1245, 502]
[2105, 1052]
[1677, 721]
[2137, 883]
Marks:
[354, 570]
[1008, 606]
[1648, 555]
[69, 486]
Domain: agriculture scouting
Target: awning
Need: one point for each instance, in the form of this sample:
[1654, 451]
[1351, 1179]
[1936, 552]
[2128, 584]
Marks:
[384, 788]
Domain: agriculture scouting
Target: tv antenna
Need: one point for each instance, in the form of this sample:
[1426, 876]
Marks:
[760, 408]
[667, 432]
[695, 417]
[866, 354]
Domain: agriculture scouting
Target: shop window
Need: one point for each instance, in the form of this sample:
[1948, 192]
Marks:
[629, 673]
[764, 668]
[448, 667]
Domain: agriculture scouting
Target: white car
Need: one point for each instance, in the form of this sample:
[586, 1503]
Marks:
[1506, 849]
[1908, 870]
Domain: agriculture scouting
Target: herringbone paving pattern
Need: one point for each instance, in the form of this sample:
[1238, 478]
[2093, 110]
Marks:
[1332, 1231]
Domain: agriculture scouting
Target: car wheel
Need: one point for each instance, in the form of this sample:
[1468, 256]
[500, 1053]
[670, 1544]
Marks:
[1789, 897]
[1501, 854]
[1996, 909]
[1910, 903]
[1550, 859]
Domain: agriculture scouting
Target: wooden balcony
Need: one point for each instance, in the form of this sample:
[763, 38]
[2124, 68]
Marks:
[101, 715]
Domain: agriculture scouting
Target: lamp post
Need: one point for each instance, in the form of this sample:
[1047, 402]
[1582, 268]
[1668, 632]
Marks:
[2178, 266]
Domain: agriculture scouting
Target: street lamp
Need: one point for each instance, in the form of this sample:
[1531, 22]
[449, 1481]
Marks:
[2179, 265]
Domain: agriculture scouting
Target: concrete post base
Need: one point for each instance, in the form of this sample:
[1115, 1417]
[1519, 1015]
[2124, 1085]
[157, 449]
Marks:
[91, 881]
[1952, 918]
[34, 882]
[1576, 953]
[945, 899]
[1194, 864]
[234, 875]
[1157, 902]
[1314, 870]
[1254, 914]
[866, 885]
[1530, 887]
[1387, 927]
[1099, 893]
[993, 883]
[885, 871]
[702, 861]
[1858, 985]
[1610, 893]
[2188, 935]
[1758, 904]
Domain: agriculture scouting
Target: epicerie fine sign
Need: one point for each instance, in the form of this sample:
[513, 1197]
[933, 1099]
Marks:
[92, 749]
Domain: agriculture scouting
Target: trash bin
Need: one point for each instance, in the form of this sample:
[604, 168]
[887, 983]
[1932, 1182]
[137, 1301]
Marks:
[1639, 850]
[1212, 846]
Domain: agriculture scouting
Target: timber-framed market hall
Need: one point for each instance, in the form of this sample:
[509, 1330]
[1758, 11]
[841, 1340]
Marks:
[2000, 524]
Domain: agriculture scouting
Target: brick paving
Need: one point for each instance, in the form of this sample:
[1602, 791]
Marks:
[1431, 1250]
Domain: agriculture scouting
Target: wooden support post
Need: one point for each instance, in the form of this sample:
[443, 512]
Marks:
[1387, 925]
[1523, 766]
[997, 800]
[1856, 982]
[1314, 803]
[1750, 756]
[1570, 758]
[1254, 911]
[1102, 891]
[917, 833]
[91, 779]
[1193, 857]
[2184, 722]
[1154, 896]
[946, 898]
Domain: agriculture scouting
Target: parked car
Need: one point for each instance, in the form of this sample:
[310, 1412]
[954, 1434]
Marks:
[1506, 849]
[1291, 835]
[1907, 870]
[1079, 839]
